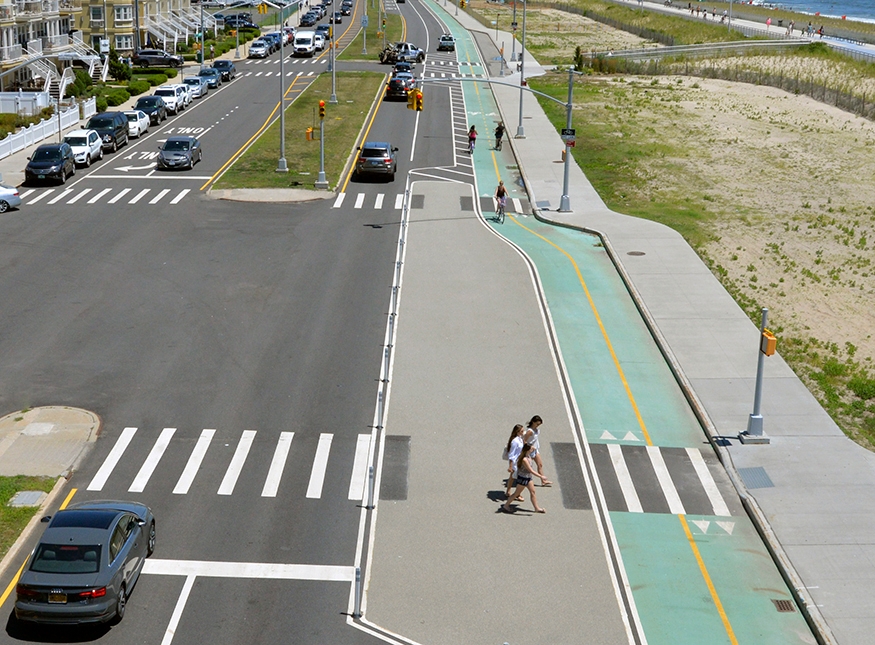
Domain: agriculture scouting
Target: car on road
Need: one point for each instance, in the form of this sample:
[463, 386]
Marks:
[240, 23]
[212, 76]
[446, 43]
[229, 71]
[376, 158]
[154, 108]
[9, 198]
[398, 87]
[86, 564]
[138, 123]
[179, 152]
[174, 97]
[198, 85]
[274, 38]
[318, 42]
[50, 162]
[337, 17]
[259, 49]
[86, 146]
[156, 58]
[188, 95]
[112, 128]
[409, 52]
[345, 9]
[309, 19]
[305, 44]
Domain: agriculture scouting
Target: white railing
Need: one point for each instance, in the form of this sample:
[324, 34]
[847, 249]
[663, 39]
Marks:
[26, 103]
[67, 79]
[8, 12]
[12, 52]
[56, 42]
[34, 46]
[88, 108]
[50, 6]
[37, 132]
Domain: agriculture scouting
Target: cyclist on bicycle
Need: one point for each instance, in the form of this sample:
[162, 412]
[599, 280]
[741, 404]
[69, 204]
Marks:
[499, 134]
[501, 201]
[472, 139]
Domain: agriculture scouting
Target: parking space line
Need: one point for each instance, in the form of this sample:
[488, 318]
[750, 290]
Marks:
[177, 610]
[320, 464]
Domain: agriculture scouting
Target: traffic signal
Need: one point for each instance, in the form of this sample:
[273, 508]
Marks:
[262, 8]
[418, 100]
[321, 109]
[411, 99]
[384, 24]
[462, 4]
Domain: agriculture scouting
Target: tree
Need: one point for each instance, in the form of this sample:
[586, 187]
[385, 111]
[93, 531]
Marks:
[117, 69]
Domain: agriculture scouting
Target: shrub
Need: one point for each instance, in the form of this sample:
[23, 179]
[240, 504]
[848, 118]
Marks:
[138, 87]
[154, 80]
[117, 96]
[102, 104]
[171, 73]
[862, 387]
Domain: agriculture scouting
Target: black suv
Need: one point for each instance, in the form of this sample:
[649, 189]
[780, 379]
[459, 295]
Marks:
[112, 128]
[155, 58]
[154, 107]
[227, 69]
[50, 161]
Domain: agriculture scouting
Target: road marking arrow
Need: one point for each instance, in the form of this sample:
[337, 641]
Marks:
[127, 168]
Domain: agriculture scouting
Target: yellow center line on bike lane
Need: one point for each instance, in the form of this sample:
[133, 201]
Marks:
[17, 575]
[604, 331]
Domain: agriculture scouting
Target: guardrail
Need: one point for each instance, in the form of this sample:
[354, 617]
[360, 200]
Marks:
[38, 131]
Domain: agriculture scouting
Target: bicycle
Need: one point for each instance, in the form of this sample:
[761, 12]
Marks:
[498, 141]
[499, 209]
[471, 143]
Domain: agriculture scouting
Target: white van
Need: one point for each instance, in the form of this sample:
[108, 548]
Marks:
[305, 43]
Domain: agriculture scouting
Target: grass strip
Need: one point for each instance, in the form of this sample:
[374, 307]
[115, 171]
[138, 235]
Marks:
[394, 33]
[256, 168]
[13, 520]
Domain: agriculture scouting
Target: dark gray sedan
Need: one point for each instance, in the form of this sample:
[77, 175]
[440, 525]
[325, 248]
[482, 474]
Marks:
[86, 564]
[179, 152]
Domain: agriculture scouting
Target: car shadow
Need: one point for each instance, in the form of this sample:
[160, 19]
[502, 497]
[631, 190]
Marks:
[33, 633]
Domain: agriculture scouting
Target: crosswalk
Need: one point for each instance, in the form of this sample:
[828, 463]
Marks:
[515, 205]
[195, 463]
[452, 69]
[379, 202]
[69, 196]
[653, 479]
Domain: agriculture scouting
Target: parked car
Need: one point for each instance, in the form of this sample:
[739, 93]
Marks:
[212, 76]
[259, 49]
[112, 128]
[9, 198]
[376, 158]
[446, 43]
[86, 564]
[174, 97]
[309, 19]
[198, 85]
[229, 71]
[274, 39]
[156, 58]
[86, 146]
[179, 152]
[240, 23]
[138, 123]
[154, 108]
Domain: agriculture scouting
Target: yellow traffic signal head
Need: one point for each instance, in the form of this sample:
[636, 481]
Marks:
[411, 99]
[418, 100]
[321, 109]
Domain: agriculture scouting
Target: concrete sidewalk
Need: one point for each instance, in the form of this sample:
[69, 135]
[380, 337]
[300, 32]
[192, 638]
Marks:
[812, 490]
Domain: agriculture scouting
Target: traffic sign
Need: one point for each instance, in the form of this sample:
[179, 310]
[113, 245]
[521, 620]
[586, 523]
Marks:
[365, 20]
[568, 132]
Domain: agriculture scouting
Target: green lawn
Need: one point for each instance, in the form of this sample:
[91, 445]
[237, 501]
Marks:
[257, 167]
[13, 520]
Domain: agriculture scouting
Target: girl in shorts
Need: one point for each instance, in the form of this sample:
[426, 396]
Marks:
[525, 472]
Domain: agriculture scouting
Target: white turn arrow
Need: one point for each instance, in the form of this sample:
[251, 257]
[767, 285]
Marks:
[126, 168]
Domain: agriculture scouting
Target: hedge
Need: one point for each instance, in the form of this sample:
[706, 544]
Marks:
[138, 86]
[117, 96]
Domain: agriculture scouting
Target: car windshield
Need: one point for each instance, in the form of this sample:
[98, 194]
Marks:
[146, 103]
[66, 558]
[223, 63]
[96, 124]
[207, 72]
[165, 92]
[374, 152]
[132, 117]
[176, 145]
[192, 81]
[76, 141]
[52, 154]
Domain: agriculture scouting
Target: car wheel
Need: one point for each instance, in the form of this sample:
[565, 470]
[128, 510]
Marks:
[114, 146]
[88, 161]
[120, 604]
[73, 170]
[63, 176]
[4, 206]
[101, 153]
[150, 546]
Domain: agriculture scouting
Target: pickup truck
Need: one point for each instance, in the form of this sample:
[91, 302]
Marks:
[446, 43]
[409, 52]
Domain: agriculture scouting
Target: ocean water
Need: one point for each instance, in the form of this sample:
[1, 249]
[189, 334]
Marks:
[853, 9]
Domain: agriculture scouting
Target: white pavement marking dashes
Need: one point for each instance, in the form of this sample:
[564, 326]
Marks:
[275, 473]
[194, 462]
[139, 196]
[148, 467]
[517, 205]
[624, 478]
[123, 192]
[157, 198]
[237, 461]
[399, 201]
[112, 459]
[25, 194]
[339, 200]
[359, 467]
[320, 464]
[66, 193]
[97, 197]
[675, 506]
[79, 196]
[359, 200]
[379, 201]
[181, 194]
[708, 482]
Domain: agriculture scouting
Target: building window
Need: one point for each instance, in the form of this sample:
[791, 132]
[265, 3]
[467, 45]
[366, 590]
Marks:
[124, 13]
[96, 14]
[124, 42]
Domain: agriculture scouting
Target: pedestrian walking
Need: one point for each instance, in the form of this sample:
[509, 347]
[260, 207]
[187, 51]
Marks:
[499, 134]
[472, 139]
[532, 437]
[525, 473]
[511, 454]
[820, 31]
[768, 24]
[212, 52]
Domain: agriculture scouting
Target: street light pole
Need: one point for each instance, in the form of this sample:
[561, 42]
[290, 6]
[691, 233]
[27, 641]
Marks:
[565, 201]
[520, 131]
[333, 62]
[513, 35]
[202, 35]
[282, 166]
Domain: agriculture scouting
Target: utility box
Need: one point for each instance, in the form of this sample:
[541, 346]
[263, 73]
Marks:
[768, 343]
[308, 134]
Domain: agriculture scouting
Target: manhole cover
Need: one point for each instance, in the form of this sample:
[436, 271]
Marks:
[784, 606]
[636, 253]
[27, 498]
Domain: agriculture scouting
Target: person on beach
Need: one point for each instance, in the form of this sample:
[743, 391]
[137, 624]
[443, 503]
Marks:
[820, 31]
[511, 454]
[525, 473]
[768, 24]
[532, 437]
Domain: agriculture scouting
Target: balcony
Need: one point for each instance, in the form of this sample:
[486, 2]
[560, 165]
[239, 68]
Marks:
[70, 6]
[55, 43]
[13, 52]
[50, 6]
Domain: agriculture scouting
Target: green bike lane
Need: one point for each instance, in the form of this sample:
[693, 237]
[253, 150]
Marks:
[694, 578]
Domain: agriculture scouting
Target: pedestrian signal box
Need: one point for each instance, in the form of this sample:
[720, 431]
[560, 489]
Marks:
[411, 99]
[768, 343]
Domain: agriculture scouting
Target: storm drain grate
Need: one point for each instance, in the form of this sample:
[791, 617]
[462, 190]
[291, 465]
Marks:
[784, 606]
[636, 253]
[755, 477]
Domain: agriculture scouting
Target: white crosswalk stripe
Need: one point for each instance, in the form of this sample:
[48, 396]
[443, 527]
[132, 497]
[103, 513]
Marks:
[380, 201]
[242, 464]
[88, 196]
